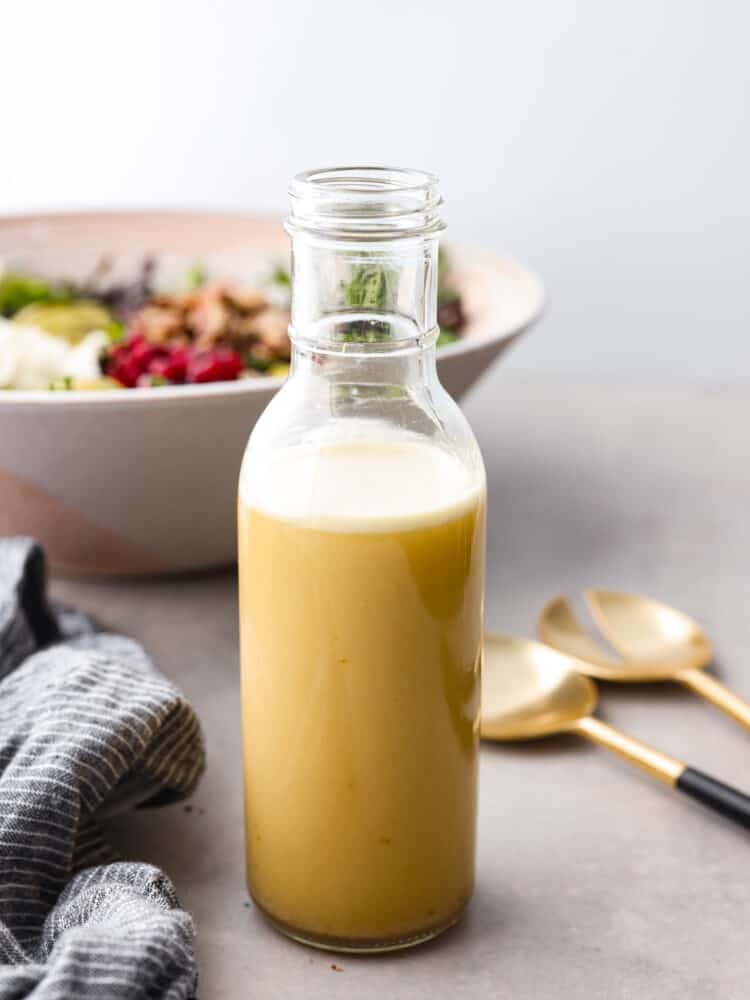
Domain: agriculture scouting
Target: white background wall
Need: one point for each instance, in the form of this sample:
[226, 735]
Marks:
[604, 142]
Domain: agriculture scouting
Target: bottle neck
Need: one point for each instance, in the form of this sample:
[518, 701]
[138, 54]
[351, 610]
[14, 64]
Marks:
[414, 363]
[352, 298]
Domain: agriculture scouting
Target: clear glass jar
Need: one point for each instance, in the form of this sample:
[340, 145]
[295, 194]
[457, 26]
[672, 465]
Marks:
[361, 563]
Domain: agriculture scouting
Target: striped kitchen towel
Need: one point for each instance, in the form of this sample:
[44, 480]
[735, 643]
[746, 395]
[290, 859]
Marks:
[87, 726]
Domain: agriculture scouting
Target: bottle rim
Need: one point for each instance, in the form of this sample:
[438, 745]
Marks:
[365, 203]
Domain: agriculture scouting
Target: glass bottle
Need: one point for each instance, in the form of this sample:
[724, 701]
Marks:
[361, 563]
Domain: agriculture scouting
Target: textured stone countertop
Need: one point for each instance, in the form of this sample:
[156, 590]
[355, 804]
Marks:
[593, 881]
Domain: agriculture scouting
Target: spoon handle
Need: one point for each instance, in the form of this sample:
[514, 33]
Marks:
[715, 794]
[659, 765]
[714, 691]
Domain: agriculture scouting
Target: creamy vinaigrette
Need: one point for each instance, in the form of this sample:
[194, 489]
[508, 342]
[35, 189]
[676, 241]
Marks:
[361, 593]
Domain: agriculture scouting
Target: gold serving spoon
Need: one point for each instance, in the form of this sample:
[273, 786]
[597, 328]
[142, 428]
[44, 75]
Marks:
[530, 690]
[657, 643]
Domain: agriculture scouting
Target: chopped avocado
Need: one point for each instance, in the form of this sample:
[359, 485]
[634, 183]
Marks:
[115, 331]
[69, 320]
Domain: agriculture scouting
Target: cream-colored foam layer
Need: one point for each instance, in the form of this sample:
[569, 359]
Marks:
[364, 486]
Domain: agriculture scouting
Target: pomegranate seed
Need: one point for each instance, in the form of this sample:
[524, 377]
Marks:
[126, 372]
[172, 367]
[143, 353]
[218, 365]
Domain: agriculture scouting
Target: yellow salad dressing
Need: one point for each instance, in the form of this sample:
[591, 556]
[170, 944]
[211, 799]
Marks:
[361, 583]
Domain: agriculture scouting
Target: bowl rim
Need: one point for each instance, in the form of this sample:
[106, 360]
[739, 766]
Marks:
[147, 395]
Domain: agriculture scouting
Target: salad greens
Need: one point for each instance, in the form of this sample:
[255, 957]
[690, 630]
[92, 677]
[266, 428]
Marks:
[18, 291]
[281, 277]
[371, 286]
[196, 277]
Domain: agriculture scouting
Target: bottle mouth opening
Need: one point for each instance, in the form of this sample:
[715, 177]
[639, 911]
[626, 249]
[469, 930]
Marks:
[365, 202]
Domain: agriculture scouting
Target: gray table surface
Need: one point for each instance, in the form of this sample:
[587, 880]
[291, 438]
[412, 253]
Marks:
[593, 881]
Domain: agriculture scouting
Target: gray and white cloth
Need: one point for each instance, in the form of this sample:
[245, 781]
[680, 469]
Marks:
[87, 726]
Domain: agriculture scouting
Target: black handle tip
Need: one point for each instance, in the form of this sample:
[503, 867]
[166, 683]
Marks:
[716, 795]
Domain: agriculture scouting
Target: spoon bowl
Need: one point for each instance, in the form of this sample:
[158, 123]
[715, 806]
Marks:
[648, 632]
[530, 690]
[655, 643]
[559, 627]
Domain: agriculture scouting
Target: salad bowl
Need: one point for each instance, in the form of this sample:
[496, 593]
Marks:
[143, 480]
